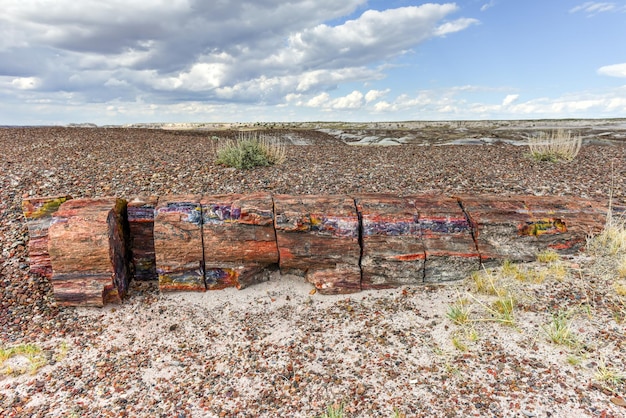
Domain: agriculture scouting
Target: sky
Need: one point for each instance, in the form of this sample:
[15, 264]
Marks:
[133, 61]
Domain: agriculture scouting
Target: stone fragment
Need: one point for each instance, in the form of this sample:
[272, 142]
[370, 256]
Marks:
[393, 251]
[141, 225]
[239, 239]
[89, 252]
[447, 235]
[38, 212]
[319, 235]
[178, 243]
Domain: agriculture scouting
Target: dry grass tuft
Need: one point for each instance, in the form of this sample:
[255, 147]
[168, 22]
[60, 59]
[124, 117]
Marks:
[31, 353]
[548, 256]
[621, 267]
[611, 241]
[251, 150]
[334, 411]
[554, 146]
[609, 374]
[559, 331]
[459, 312]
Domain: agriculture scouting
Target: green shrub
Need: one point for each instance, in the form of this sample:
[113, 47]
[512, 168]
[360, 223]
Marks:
[250, 151]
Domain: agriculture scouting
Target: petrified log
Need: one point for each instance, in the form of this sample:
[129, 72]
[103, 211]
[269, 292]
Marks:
[393, 251]
[178, 243]
[341, 244]
[239, 239]
[319, 235]
[141, 226]
[447, 235]
[38, 212]
[89, 252]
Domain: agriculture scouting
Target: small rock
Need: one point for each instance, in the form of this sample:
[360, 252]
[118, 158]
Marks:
[618, 400]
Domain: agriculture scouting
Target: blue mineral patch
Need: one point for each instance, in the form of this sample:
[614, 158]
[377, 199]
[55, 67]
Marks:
[218, 213]
[386, 228]
[335, 226]
[444, 226]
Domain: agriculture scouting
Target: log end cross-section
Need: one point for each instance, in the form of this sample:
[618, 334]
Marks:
[39, 212]
[89, 251]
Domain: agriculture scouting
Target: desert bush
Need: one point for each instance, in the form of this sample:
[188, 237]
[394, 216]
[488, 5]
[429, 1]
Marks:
[554, 146]
[249, 150]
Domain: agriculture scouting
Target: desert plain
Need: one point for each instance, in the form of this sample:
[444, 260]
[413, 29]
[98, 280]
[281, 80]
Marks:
[279, 349]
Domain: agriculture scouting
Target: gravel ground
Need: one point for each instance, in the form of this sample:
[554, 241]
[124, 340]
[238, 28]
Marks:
[275, 349]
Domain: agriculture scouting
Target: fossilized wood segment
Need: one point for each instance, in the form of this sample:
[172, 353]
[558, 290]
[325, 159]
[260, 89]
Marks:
[516, 228]
[239, 239]
[319, 235]
[341, 244]
[447, 234]
[38, 212]
[393, 251]
[88, 246]
[178, 243]
[141, 226]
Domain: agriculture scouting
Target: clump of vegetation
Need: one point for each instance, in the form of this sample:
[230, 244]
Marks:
[548, 256]
[559, 331]
[554, 146]
[612, 240]
[32, 353]
[249, 151]
[334, 411]
[609, 375]
[459, 312]
[621, 270]
[487, 283]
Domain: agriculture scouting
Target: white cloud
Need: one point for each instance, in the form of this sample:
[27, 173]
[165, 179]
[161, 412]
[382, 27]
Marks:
[467, 102]
[319, 101]
[353, 100]
[509, 99]
[372, 95]
[592, 8]
[454, 26]
[245, 51]
[383, 106]
[26, 83]
[616, 70]
[488, 5]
